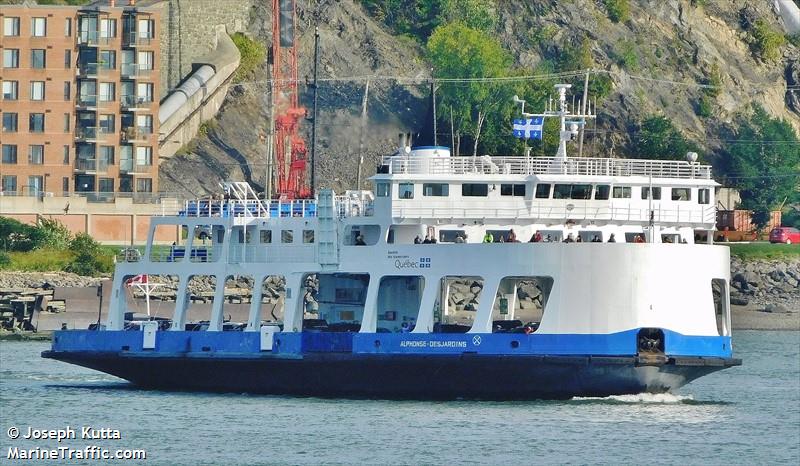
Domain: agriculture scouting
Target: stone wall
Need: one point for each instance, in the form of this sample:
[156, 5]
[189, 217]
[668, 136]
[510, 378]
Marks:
[772, 286]
[188, 33]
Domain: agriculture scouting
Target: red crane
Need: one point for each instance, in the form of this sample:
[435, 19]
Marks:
[290, 148]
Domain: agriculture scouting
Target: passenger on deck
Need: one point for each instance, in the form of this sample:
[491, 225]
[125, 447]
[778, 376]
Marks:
[405, 328]
[569, 239]
[548, 239]
[427, 239]
[536, 238]
[459, 238]
[433, 240]
[488, 238]
[512, 237]
[612, 238]
[360, 241]
[596, 239]
[502, 239]
[417, 240]
[639, 239]
[580, 239]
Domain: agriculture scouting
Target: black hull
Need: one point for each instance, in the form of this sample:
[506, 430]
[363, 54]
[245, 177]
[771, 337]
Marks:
[403, 376]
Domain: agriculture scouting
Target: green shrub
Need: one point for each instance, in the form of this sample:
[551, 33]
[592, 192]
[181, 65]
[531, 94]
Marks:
[626, 55]
[703, 107]
[85, 264]
[253, 55]
[618, 10]
[766, 42]
[83, 243]
[5, 259]
[15, 235]
[51, 234]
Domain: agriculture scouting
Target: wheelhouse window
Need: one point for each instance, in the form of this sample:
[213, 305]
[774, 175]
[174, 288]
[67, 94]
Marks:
[602, 192]
[449, 236]
[436, 189]
[474, 190]
[265, 236]
[656, 193]
[543, 191]
[622, 192]
[382, 189]
[406, 190]
[287, 236]
[703, 196]
[308, 236]
[681, 194]
[512, 190]
[572, 191]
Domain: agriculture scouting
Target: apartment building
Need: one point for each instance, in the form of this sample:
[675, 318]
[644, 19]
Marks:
[80, 92]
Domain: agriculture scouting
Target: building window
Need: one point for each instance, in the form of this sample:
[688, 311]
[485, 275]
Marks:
[68, 27]
[67, 59]
[656, 193]
[436, 189]
[145, 60]
[10, 58]
[35, 185]
[37, 90]
[107, 155]
[382, 189]
[145, 123]
[108, 59]
[107, 92]
[10, 90]
[65, 185]
[106, 185]
[543, 191]
[144, 185]
[106, 124]
[10, 26]
[144, 92]
[703, 196]
[602, 192]
[9, 184]
[287, 236]
[146, 28]
[36, 155]
[474, 190]
[67, 90]
[67, 118]
[38, 59]
[38, 27]
[512, 190]
[10, 122]
[266, 236]
[681, 194]
[36, 123]
[108, 28]
[9, 153]
[622, 192]
[406, 190]
[144, 156]
[66, 155]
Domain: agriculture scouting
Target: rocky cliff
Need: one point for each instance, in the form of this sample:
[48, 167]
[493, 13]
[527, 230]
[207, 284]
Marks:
[654, 59]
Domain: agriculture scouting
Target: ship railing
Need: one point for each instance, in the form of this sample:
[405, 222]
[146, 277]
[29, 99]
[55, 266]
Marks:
[272, 254]
[249, 208]
[589, 166]
[706, 215]
[178, 253]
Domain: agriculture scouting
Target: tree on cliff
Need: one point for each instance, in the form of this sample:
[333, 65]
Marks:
[458, 51]
[763, 162]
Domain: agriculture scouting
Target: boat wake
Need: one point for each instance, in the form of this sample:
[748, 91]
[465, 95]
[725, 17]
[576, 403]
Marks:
[646, 398]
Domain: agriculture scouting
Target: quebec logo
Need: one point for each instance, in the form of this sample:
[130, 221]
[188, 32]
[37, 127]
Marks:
[424, 262]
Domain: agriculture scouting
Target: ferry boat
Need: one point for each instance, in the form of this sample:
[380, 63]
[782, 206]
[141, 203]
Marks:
[457, 277]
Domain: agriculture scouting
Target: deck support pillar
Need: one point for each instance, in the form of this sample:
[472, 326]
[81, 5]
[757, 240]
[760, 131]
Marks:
[181, 304]
[215, 324]
[428, 301]
[369, 322]
[116, 311]
[254, 320]
[483, 318]
[293, 306]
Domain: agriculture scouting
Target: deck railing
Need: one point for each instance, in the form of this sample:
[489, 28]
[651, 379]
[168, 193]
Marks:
[487, 165]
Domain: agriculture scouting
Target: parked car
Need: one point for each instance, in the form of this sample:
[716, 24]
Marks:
[786, 235]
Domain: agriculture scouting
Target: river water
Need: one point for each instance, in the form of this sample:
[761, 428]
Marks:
[743, 415]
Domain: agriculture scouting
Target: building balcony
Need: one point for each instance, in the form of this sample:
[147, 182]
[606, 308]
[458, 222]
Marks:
[134, 102]
[133, 134]
[86, 101]
[134, 39]
[91, 38]
[91, 133]
[92, 70]
[91, 166]
[134, 70]
[129, 167]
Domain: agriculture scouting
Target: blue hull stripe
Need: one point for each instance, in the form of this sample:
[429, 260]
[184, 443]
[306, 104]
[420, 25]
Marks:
[286, 344]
